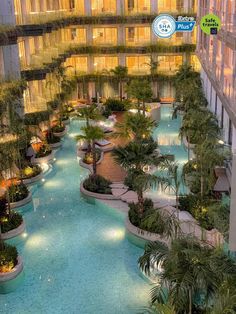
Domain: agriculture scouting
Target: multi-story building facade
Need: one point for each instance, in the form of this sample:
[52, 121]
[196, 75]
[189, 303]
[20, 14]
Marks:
[91, 37]
[217, 55]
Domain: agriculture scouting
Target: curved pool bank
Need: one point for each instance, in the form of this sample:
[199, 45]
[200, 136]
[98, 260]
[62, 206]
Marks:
[77, 258]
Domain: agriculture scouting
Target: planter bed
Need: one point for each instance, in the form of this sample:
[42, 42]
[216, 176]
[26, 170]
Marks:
[60, 134]
[41, 160]
[97, 195]
[33, 179]
[142, 236]
[14, 233]
[90, 166]
[22, 202]
[9, 281]
[55, 145]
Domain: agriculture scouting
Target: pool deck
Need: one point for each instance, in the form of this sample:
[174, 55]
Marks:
[108, 168]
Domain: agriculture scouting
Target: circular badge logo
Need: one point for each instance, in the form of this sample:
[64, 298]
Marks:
[210, 24]
[164, 26]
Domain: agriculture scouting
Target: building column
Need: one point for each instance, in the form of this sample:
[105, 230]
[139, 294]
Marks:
[89, 35]
[11, 61]
[121, 35]
[154, 7]
[232, 227]
[122, 59]
[87, 7]
[7, 15]
[120, 5]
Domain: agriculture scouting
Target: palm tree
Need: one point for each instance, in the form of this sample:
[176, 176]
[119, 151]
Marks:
[141, 182]
[91, 135]
[137, 155]
[188, 269]
[207, 158]
[142, 91]
[90, 113]
[135, 127]
[121, 73]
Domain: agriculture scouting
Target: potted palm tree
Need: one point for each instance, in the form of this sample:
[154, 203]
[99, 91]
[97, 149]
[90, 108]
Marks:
[91, 135]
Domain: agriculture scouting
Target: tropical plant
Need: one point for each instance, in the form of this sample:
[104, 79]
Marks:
[188, 269]
[97, 184]
[207, 158]
[90, 113]
[91, 135]
[120, 72]
[141, 182]
[135, 127]
[154, 220]
[140, 90]
[137, 155]
[8, 257]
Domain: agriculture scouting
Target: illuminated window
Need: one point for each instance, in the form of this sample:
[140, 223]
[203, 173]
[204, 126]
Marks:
[169, 64]
[76, 65]
[137, 35]
[138, 64]
[170, 6]
[103, 6]
[105, 63]
[137, 6]
[107, 35]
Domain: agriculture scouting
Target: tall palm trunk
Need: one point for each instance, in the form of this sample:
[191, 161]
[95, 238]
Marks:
[94, 158]
[144, 108]
[120, 90]
[139, 106]
[190, 302]
[141, 202]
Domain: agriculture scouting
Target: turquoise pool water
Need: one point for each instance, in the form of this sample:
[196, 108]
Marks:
[76, 256]
[167, 136]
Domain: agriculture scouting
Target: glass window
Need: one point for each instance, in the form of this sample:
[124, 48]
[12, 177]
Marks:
[105, 63]
[138, 64]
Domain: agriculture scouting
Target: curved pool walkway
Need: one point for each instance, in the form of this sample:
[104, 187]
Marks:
[77, 258]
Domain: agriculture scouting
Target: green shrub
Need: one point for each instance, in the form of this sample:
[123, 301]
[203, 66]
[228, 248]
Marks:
[198, 208]
[97, 184]
[116, 105]
[134, 215]
[12, 222]
[58, 128]
[44, 151]
[17, 192]
[8, 258]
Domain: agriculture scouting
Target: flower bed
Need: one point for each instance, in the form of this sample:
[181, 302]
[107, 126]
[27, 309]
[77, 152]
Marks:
[8, 258]
[30, 171]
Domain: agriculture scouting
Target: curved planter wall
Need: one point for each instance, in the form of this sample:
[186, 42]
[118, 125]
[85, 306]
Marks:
[55, 145]
[96, 195]
[33, 179]
[89, 166]
[14, 233]
[22, 202]
[60, 134]
[43, 160]
[140, 237]
[10, 281]
[66, 122]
